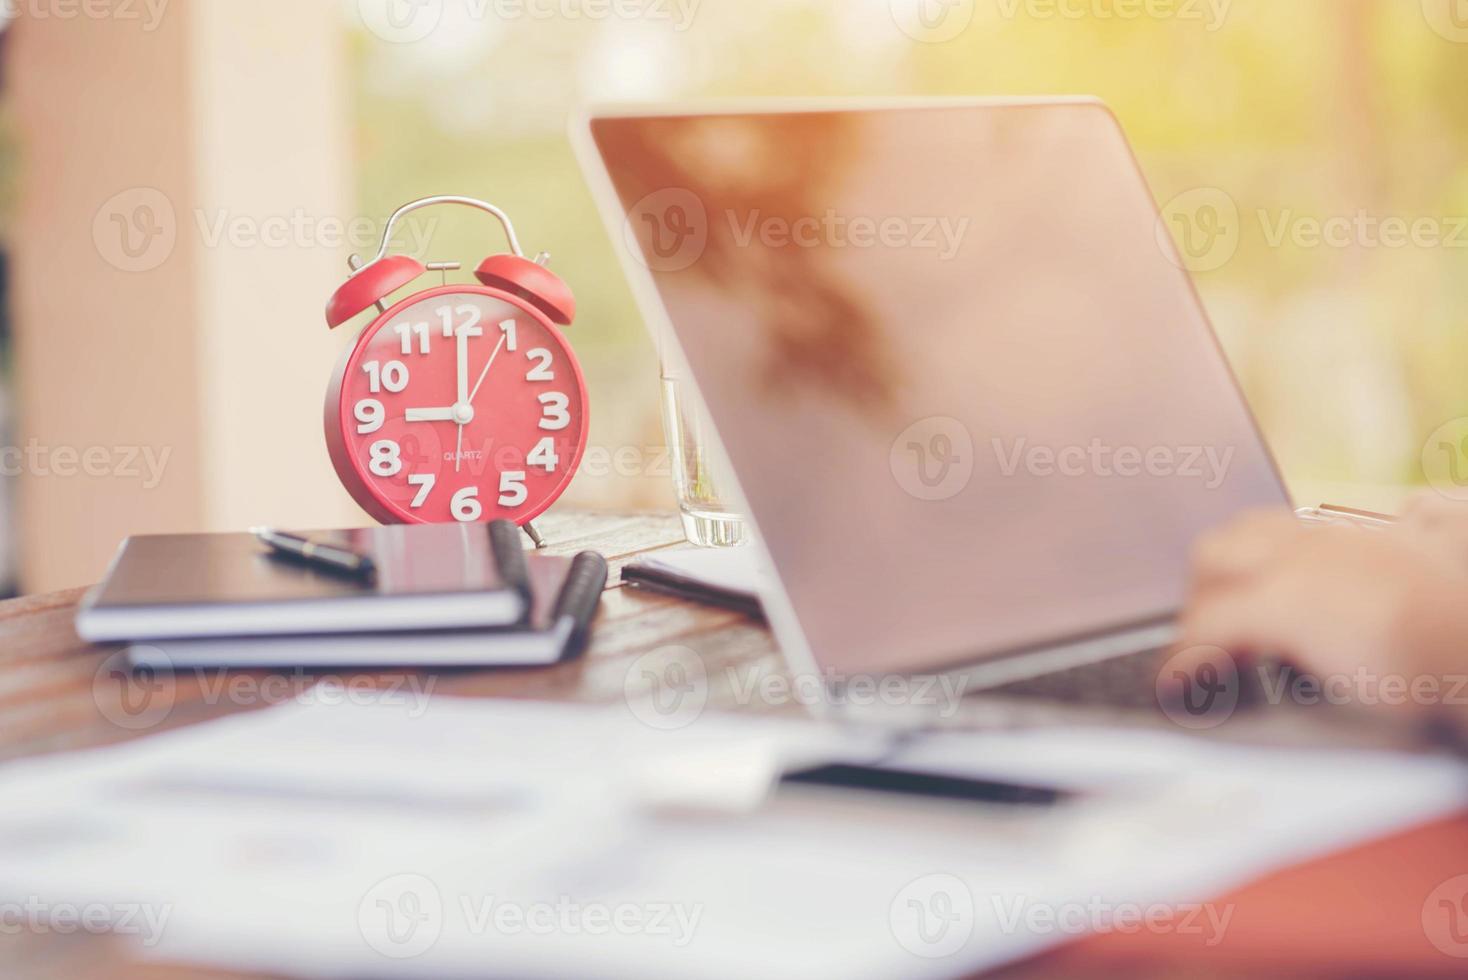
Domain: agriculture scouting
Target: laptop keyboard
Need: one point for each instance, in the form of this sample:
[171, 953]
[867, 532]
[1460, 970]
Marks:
[1129, 682]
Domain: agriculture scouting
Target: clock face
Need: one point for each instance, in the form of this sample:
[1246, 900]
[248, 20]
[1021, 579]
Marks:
[457, 405]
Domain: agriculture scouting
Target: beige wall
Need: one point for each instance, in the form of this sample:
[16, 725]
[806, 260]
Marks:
[206, 357]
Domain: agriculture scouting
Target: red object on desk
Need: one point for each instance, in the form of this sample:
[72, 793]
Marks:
[461, 403]
[1390, 908]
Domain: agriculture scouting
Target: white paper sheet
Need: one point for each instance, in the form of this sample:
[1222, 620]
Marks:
[489, 838]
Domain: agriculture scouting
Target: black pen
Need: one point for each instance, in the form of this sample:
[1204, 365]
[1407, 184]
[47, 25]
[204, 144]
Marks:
[934, 786]
[327, 557]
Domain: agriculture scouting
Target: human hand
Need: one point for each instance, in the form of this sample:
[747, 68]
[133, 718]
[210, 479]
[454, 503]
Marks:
[1438, 522]
[1337, 601]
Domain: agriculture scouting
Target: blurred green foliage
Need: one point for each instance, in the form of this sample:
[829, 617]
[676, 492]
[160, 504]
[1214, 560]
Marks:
[1303, 110]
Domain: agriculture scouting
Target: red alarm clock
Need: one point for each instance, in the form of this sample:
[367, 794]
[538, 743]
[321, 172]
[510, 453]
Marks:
[461, 402]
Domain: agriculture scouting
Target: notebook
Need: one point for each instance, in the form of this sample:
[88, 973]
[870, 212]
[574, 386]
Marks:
[429, 577]
[566, 595]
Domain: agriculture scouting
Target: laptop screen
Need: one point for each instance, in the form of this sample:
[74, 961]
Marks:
[969, 392]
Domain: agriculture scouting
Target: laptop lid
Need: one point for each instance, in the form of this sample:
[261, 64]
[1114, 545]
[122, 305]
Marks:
[971, 397]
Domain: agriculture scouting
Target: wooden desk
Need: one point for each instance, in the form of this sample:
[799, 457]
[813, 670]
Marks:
[1358, 912]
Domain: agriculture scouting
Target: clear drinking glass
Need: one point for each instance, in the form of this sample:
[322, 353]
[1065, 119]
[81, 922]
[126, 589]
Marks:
[701, 475]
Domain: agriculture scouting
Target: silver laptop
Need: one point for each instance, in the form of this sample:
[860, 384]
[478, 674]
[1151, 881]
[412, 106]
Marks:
[976, 410]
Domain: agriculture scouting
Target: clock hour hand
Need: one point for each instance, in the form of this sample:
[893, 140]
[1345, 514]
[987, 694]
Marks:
[430, 415]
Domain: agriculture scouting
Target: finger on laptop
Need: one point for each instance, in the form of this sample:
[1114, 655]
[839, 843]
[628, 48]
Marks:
[1240, 621]
[1431, 507]
[1240, 549]
[1438, 521]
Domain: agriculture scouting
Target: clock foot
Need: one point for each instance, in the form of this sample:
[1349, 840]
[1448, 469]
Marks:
[534, 535]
